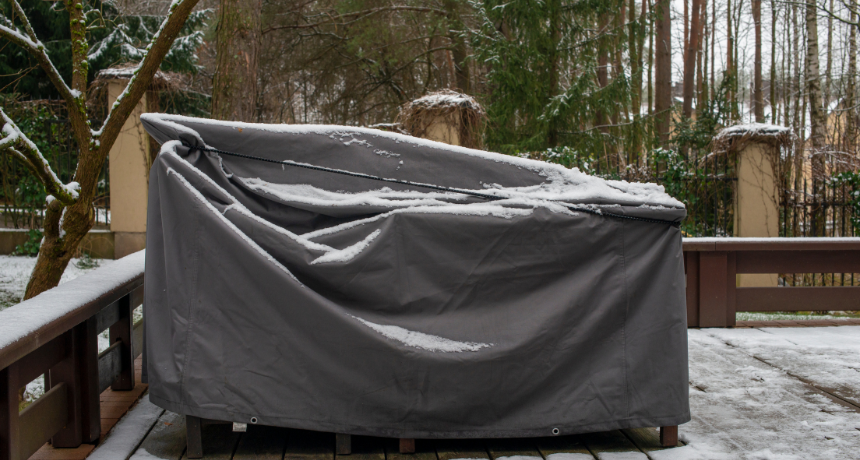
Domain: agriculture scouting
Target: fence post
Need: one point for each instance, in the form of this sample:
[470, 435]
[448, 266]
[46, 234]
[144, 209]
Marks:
[121, 332]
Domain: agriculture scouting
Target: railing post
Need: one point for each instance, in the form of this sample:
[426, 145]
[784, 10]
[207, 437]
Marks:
[68, 371]
[90, 404]
[121, 332]
[691, 267]
[9, 431]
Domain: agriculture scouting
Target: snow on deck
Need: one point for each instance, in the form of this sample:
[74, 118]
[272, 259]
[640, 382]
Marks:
[755, 394]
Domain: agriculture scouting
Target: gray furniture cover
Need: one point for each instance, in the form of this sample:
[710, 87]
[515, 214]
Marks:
[313, 300]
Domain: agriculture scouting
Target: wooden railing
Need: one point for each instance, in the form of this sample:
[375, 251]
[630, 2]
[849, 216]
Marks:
[56, 334]
[712, 264]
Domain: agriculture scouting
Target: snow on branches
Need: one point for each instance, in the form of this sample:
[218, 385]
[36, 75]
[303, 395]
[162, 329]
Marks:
[17, 143]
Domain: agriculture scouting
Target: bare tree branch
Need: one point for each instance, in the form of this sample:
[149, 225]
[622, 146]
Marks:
[16, 142]
[143, 75]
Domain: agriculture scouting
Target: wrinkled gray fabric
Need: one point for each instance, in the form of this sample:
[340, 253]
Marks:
[443, 325]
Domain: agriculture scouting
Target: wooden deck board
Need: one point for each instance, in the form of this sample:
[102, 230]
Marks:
[646, 439]
[563, 445]
[449, 449]
[219, 442]
[425, 449]
[166, 440]
[514, 447]
[261, 443]
[365, 448]
[611, 442]
[309, 445]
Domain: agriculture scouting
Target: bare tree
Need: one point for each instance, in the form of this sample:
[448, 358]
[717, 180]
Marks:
[663, 77]
[758, 92]
[690, 59]
[234, 89]
[69, 214]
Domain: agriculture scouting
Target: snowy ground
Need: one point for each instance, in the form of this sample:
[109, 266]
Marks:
[773, 393]
[15, 271]
[14, 274]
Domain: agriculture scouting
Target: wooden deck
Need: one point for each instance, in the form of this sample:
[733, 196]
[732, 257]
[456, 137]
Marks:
[167, 441]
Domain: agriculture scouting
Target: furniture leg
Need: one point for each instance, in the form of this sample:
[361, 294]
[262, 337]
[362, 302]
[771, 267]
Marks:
[669, 436]
[342, 444]
[194, 436]
[407, 446]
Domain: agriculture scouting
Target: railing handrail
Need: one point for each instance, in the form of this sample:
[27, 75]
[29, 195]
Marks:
[771, 244]
[30, 324]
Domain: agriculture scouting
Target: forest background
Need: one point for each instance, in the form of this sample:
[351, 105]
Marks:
[629, 89]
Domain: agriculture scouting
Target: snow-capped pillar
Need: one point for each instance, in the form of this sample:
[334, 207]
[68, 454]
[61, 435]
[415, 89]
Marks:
[445, 116]
[756, 150]
[129, 167]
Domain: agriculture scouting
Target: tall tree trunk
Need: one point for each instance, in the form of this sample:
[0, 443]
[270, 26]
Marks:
[758, 91]
[850, 89]
[773, 107]
[729, 48]
[650, 62]
[663, 76]
[813, 81]
[602, 69]
[234, 89]
[713, 84]
[634, 29]
[828, 74]
[690, 60]
[555, 33]
[459, 51]
[702, 61]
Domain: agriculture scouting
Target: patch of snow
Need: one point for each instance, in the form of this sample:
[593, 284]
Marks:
[128, 432]
[744, 408]
[520, 457]
[75, 93]
[348, 253]
[447, 98]
[423, 341]
[19, 321]
[757, 129]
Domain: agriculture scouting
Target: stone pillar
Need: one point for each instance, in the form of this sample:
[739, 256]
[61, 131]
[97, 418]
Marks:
[756, 202]
[444, 116]
[129, 168]
[444, 129]
[756, 148]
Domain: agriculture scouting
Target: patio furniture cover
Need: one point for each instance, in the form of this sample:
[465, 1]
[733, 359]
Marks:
[307, 299]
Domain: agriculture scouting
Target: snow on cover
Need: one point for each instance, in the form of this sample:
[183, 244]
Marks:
[423, 341]
[757, 129]
[561, 184]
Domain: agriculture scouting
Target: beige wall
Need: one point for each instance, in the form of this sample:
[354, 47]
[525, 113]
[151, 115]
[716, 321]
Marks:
[128, 177]
[442, 131]
[756, 203]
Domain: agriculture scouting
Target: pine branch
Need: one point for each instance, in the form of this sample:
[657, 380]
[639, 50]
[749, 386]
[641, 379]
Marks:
[17, 143]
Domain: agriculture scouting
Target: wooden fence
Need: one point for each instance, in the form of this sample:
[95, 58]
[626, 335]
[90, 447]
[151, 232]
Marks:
[65, 349]
[712, 264]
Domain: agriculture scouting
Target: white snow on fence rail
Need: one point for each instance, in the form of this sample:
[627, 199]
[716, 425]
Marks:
[19, 321]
